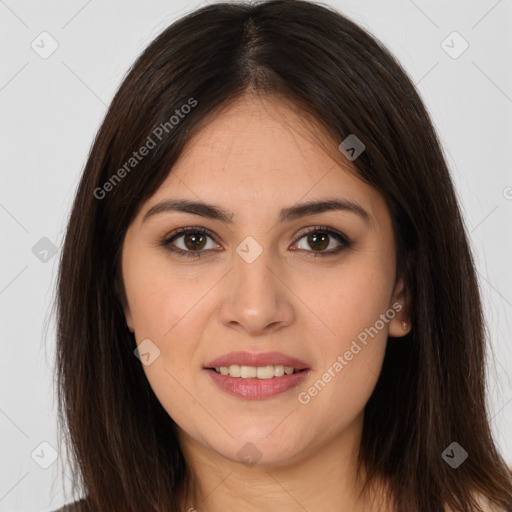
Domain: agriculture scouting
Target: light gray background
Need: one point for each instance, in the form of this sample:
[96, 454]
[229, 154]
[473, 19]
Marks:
[51, 108]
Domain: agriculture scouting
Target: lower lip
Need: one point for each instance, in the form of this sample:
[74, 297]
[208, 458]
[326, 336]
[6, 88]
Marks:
[254, 388]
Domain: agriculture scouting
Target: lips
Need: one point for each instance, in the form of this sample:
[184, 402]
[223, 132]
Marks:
[256, 389]
[245, 358]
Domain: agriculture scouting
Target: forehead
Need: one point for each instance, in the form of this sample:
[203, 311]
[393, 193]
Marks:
[263, 152]
[257, 137]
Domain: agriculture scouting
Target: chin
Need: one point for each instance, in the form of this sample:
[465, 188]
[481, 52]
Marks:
[260, 450]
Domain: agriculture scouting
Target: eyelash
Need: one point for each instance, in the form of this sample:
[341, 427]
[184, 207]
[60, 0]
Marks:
[342, 239]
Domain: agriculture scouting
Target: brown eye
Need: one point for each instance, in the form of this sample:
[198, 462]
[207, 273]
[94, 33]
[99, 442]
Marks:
[194, 241]
[320, 238]
[189, 242]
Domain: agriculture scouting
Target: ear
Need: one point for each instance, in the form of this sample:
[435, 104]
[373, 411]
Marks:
[121, 295]
[400, 324]
[128, 317]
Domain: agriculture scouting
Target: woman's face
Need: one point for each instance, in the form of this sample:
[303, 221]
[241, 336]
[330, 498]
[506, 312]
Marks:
[257, 282]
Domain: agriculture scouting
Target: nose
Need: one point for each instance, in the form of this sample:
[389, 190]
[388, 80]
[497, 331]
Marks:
[256, 299]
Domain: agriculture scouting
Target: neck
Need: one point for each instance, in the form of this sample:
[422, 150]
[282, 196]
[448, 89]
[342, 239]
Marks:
[324, 478]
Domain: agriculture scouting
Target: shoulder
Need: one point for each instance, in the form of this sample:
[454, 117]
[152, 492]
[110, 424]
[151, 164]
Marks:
[72, 507]
[485, 504]
[488, 506]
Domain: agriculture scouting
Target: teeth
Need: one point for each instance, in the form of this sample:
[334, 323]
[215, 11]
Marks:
[247, 372]
[234, 370]
[265, 372]
[278, 371]
[260, 372]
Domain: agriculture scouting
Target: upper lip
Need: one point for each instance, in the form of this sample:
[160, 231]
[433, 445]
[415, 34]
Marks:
[257, 359]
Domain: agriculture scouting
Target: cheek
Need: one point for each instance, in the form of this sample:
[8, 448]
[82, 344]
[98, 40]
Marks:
[348, 369]
[346, 299]
[168, 307]
[160, 295]
[352, 316]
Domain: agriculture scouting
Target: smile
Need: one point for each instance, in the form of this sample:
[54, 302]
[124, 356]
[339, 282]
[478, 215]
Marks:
[259, 372]
[253, 387]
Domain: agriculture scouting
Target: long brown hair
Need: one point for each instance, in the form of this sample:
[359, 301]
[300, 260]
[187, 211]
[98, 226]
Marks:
[121, 443]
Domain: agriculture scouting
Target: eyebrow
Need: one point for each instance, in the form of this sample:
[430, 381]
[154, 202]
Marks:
[288, 214]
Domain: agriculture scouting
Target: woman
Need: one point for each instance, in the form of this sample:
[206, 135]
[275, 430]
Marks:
[266, 295]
